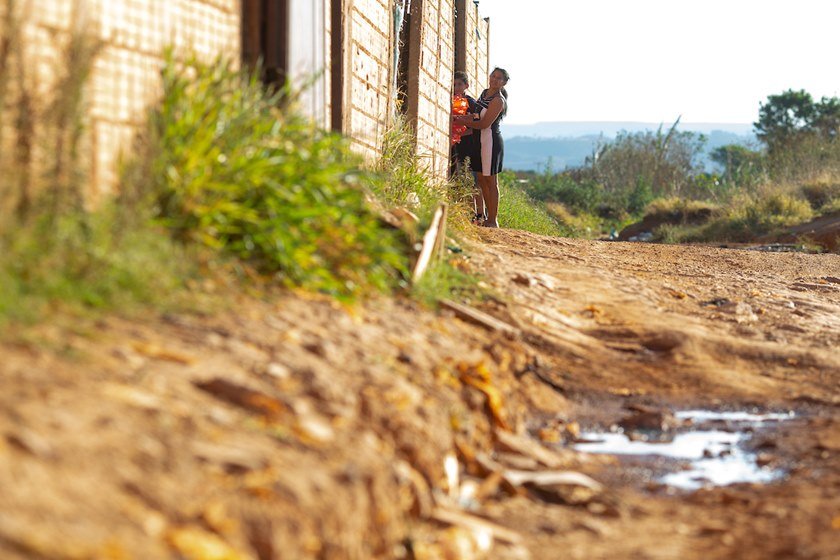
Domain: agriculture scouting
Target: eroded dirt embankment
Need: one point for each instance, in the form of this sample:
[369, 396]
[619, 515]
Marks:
[303, 429]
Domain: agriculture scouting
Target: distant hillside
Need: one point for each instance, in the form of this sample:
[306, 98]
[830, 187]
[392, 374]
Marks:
[610, 129]
[566, 144]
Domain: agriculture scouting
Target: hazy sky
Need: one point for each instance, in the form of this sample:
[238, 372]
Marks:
[654, 60]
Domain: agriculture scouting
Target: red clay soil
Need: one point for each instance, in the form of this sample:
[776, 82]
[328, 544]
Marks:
[300, 428]
[823, 231]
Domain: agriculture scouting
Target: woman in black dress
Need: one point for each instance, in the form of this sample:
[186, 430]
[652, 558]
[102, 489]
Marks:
[493, 107]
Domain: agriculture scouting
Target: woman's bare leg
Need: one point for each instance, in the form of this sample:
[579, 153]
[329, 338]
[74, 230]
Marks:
[490, 189]
[478, 197]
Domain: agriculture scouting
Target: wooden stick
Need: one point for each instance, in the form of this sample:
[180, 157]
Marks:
[473, 315]
[431, 242]
[477, 524]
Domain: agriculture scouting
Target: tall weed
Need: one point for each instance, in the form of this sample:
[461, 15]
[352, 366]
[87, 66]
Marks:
[230, 170]
[519, 211]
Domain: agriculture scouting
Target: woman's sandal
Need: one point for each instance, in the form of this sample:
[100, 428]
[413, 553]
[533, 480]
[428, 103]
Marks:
[478, 219]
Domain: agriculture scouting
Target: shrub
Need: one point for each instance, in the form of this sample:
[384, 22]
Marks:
[681, 209]
[518, 211]
[820, 193]
[233, 172]
[577, 225]
[757, 215]
[663, 161]
[831, 206]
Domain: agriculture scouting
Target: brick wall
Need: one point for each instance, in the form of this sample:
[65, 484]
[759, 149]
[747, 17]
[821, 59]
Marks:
[430, 79]
[125, 77]
[474, 57]
[368, 94]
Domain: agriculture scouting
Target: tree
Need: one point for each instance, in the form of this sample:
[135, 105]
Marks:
[784, 116]
[794, 115]
[740, 164]
[664, 161]
[827, 118]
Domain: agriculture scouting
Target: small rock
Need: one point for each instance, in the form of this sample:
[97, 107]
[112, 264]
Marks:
[30, 442]
[215, 340]
[717, 302]
[763, 459]
[134, 360]
[646, 418]
[316, 429]
[233, 459]
[278, 371]
[525, 280]
[320, 348]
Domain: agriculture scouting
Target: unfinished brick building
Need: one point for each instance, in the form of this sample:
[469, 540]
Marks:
[366, 56]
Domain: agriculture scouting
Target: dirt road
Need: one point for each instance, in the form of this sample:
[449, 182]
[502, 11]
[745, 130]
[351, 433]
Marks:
[299, 428]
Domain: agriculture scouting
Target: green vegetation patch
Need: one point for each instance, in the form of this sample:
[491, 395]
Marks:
[232, 171]
[88, 261]
[520, 211]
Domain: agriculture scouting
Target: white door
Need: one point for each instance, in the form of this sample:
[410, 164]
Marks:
[307, 55]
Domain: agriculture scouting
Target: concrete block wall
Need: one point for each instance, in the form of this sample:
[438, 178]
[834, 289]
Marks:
[435, 67]
[126, 74]
[477, 47]
[368, 93]
[125, 79]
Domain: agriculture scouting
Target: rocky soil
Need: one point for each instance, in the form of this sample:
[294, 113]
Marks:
[302, 428]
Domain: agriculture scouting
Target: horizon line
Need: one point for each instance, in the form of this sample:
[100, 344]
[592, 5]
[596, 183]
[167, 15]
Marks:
[629, 122]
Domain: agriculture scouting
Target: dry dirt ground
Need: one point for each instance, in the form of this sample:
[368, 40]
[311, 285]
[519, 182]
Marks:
[301, 428]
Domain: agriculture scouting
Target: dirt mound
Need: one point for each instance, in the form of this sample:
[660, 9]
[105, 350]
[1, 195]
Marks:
[823, 231]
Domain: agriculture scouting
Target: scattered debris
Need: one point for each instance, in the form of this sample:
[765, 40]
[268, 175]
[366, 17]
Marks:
[193, 543]
[717, 302]
[132, 396]
[807, 286]
[779, 248]
[529, 448]
[249, 399]
[548, 479]
[479, 377]
[231, 457]
[158, 352]
[476, 524]
[452, 470]
[30, 442]
[525, 280]
[643, 237]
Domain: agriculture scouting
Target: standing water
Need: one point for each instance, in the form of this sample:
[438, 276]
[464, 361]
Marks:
[717, 457]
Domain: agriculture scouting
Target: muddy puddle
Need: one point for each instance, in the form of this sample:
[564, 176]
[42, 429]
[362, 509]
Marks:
[709, 448]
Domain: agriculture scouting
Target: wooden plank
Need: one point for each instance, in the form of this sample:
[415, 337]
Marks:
[431, 242]
[543, 479]
[472, 315]
[440, 238]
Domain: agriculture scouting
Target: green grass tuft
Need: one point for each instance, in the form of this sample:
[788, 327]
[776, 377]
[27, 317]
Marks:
[233, 172]
[518, 211]
[84, 262]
